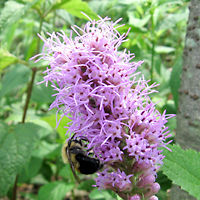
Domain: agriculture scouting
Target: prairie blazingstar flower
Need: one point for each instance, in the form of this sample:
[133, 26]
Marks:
[91, 78]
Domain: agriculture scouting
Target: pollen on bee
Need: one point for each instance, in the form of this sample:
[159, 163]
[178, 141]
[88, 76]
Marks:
[64, 153]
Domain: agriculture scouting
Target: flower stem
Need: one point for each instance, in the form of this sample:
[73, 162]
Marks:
[152, 59]
[29, 91]
[153, 46]
[34, 70]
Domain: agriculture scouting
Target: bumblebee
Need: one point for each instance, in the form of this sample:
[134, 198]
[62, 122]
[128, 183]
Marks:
[73, 152]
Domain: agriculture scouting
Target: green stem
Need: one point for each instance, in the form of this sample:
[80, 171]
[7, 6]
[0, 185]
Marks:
[29, 91]
[14, 193]
[152, 59]
[54, 18]
[153, 46]
[24, 63]
[38, 39]
[34, 70]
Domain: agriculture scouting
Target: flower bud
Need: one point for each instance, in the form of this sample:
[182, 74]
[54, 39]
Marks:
[135, 197]
[147, 180]
[153, 198]
[141, 166]
[155, 187]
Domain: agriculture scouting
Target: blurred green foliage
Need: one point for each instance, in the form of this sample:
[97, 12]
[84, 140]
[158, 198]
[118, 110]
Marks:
[31, 150]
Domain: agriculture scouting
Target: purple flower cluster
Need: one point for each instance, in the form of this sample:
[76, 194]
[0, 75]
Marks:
[98, 88]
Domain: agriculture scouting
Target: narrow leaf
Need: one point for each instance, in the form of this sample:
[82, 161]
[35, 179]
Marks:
[164, 49]
[182, 167]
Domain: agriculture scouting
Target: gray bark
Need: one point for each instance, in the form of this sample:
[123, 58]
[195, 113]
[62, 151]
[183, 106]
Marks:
[188, 116]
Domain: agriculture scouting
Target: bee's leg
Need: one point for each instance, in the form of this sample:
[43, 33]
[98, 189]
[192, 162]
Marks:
[84, 138]
[73, 136]
[88, 150]
[72, 167]
[70, 140]
[90, 154]
[74, 173]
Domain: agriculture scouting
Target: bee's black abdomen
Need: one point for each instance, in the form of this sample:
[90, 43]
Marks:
[88, 165]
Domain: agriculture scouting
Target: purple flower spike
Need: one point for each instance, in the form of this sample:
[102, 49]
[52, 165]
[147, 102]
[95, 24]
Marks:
[91, 78]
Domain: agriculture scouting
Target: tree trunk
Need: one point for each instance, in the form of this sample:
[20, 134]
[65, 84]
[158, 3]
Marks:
[188, 116]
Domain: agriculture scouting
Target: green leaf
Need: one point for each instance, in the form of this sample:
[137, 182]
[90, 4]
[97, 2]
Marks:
[4, 129]
[134, 29]
[14, 78]
[31, 49]
[158, 64]
[42, 94]
[162, 195]
[169, 107]
[6, 59]
[45, 129]
[54, 191]
[86, 185]
[164, 49]
[170, 20]
[175, 79]
[66, 172]
[8, 36]
[47, 172]
[163, 181]
[119, 198]
[171, 124]
[30, 170]
[51, 120]
[75, 7]
[182, 167]
[97, 194]
[13, 11]
[44, 149]
[137, 21]
[15, 151]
